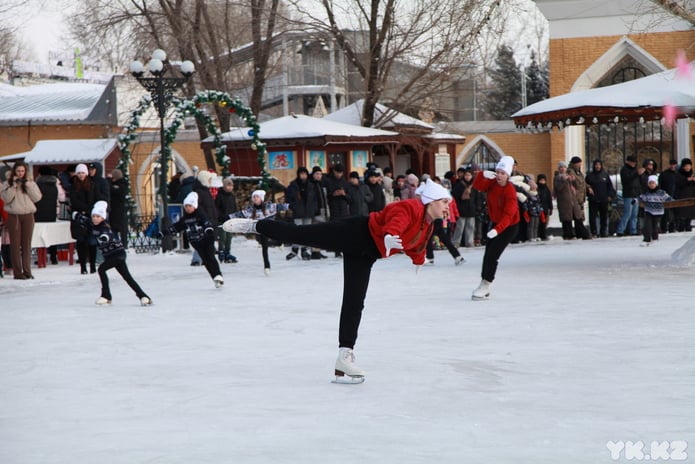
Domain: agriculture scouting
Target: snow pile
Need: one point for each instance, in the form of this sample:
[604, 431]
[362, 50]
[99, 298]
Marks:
[685, 255]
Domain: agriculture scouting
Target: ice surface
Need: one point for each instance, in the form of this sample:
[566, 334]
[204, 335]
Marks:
[581, 343]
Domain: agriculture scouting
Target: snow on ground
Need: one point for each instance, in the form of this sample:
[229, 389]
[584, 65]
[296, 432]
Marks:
[582, 343]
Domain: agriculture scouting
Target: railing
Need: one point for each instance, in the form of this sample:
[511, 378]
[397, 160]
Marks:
[143, 234]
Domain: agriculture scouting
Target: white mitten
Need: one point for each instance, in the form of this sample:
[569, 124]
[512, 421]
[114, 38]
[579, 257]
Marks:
[392, 242]
[489, 175]
[521, 197]
[492, 234]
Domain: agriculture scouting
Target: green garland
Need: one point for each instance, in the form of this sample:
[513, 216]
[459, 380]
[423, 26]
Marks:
[183, 108]
[124, 141]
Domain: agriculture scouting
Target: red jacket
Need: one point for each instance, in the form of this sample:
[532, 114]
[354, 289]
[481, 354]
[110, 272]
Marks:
[405, 218]
[502, 204]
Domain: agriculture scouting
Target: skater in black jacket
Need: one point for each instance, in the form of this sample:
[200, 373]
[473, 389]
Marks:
[200, 233]
[112, 249]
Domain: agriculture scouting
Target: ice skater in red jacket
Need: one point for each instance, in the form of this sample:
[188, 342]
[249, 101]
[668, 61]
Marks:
[404, 226]
[503, 209]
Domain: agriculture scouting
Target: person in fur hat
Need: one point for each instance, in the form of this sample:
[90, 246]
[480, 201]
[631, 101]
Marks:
[201, 235]
[112, 250]
[403, 226]
[503, 209]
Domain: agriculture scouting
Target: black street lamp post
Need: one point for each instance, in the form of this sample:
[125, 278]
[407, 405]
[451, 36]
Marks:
[162, 90]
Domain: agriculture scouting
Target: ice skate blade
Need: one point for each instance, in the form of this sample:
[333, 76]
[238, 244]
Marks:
[341, 378]
[480, 298]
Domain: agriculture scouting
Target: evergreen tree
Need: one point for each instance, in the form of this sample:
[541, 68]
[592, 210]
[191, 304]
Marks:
[536, 81]
[504, 97]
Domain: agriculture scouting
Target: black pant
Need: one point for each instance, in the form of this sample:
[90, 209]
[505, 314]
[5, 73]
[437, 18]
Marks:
[206, 250]
[443, 238]
[494, 249]
[668, 221]
[86, 252]
[650, 227]
[263, 240]
[598, 210]
[349, 236]
[117, 261]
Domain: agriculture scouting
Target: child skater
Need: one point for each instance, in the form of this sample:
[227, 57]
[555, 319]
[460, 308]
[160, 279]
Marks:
[261, 209]
[201, 235]
[112, 250]
[503, 209]
[404, 225]
[653, 200]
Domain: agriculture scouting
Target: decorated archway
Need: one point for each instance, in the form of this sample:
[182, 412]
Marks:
[193, 107]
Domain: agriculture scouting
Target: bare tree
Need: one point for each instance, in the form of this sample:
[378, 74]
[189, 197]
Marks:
[414, 48]
[12, 46]
[204, 31]
[684, 9]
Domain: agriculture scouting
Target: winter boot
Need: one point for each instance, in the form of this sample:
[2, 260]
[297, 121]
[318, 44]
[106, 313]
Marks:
[345, 364]
[483, 291]
[230, 258]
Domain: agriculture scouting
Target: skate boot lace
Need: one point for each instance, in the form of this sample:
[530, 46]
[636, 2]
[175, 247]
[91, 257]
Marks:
[349, 357]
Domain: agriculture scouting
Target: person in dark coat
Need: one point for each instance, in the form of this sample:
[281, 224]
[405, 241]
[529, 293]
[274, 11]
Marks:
[303, 203]
[360, 196]
[336, 189]
[47, 206]
[685, 188]
[545, 197]
[371, 179]
[462, 193]
[185, 187]
[632, 188]
[102, 189]
[206, 205]
[82, 199]
[667, 183]
[119, 206]
[600, 192]
[338, 198]
[226, 204]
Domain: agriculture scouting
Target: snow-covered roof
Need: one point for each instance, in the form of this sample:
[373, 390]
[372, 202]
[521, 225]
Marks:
[353, 115]
[67, 151]
[646, 95]
[445, 136]
[300, 126]
[61, 102]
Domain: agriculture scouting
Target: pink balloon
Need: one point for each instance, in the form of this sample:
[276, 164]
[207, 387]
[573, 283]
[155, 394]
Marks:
[683, 70]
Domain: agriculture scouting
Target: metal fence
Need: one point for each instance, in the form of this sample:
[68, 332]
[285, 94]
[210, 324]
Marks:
[144, 234]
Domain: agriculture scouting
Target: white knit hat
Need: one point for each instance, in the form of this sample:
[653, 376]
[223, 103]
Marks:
[81, 168]
[653, 178]
[191, 199]
[259, 193]
[431, 191]
[506, 164]
[100, 208]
